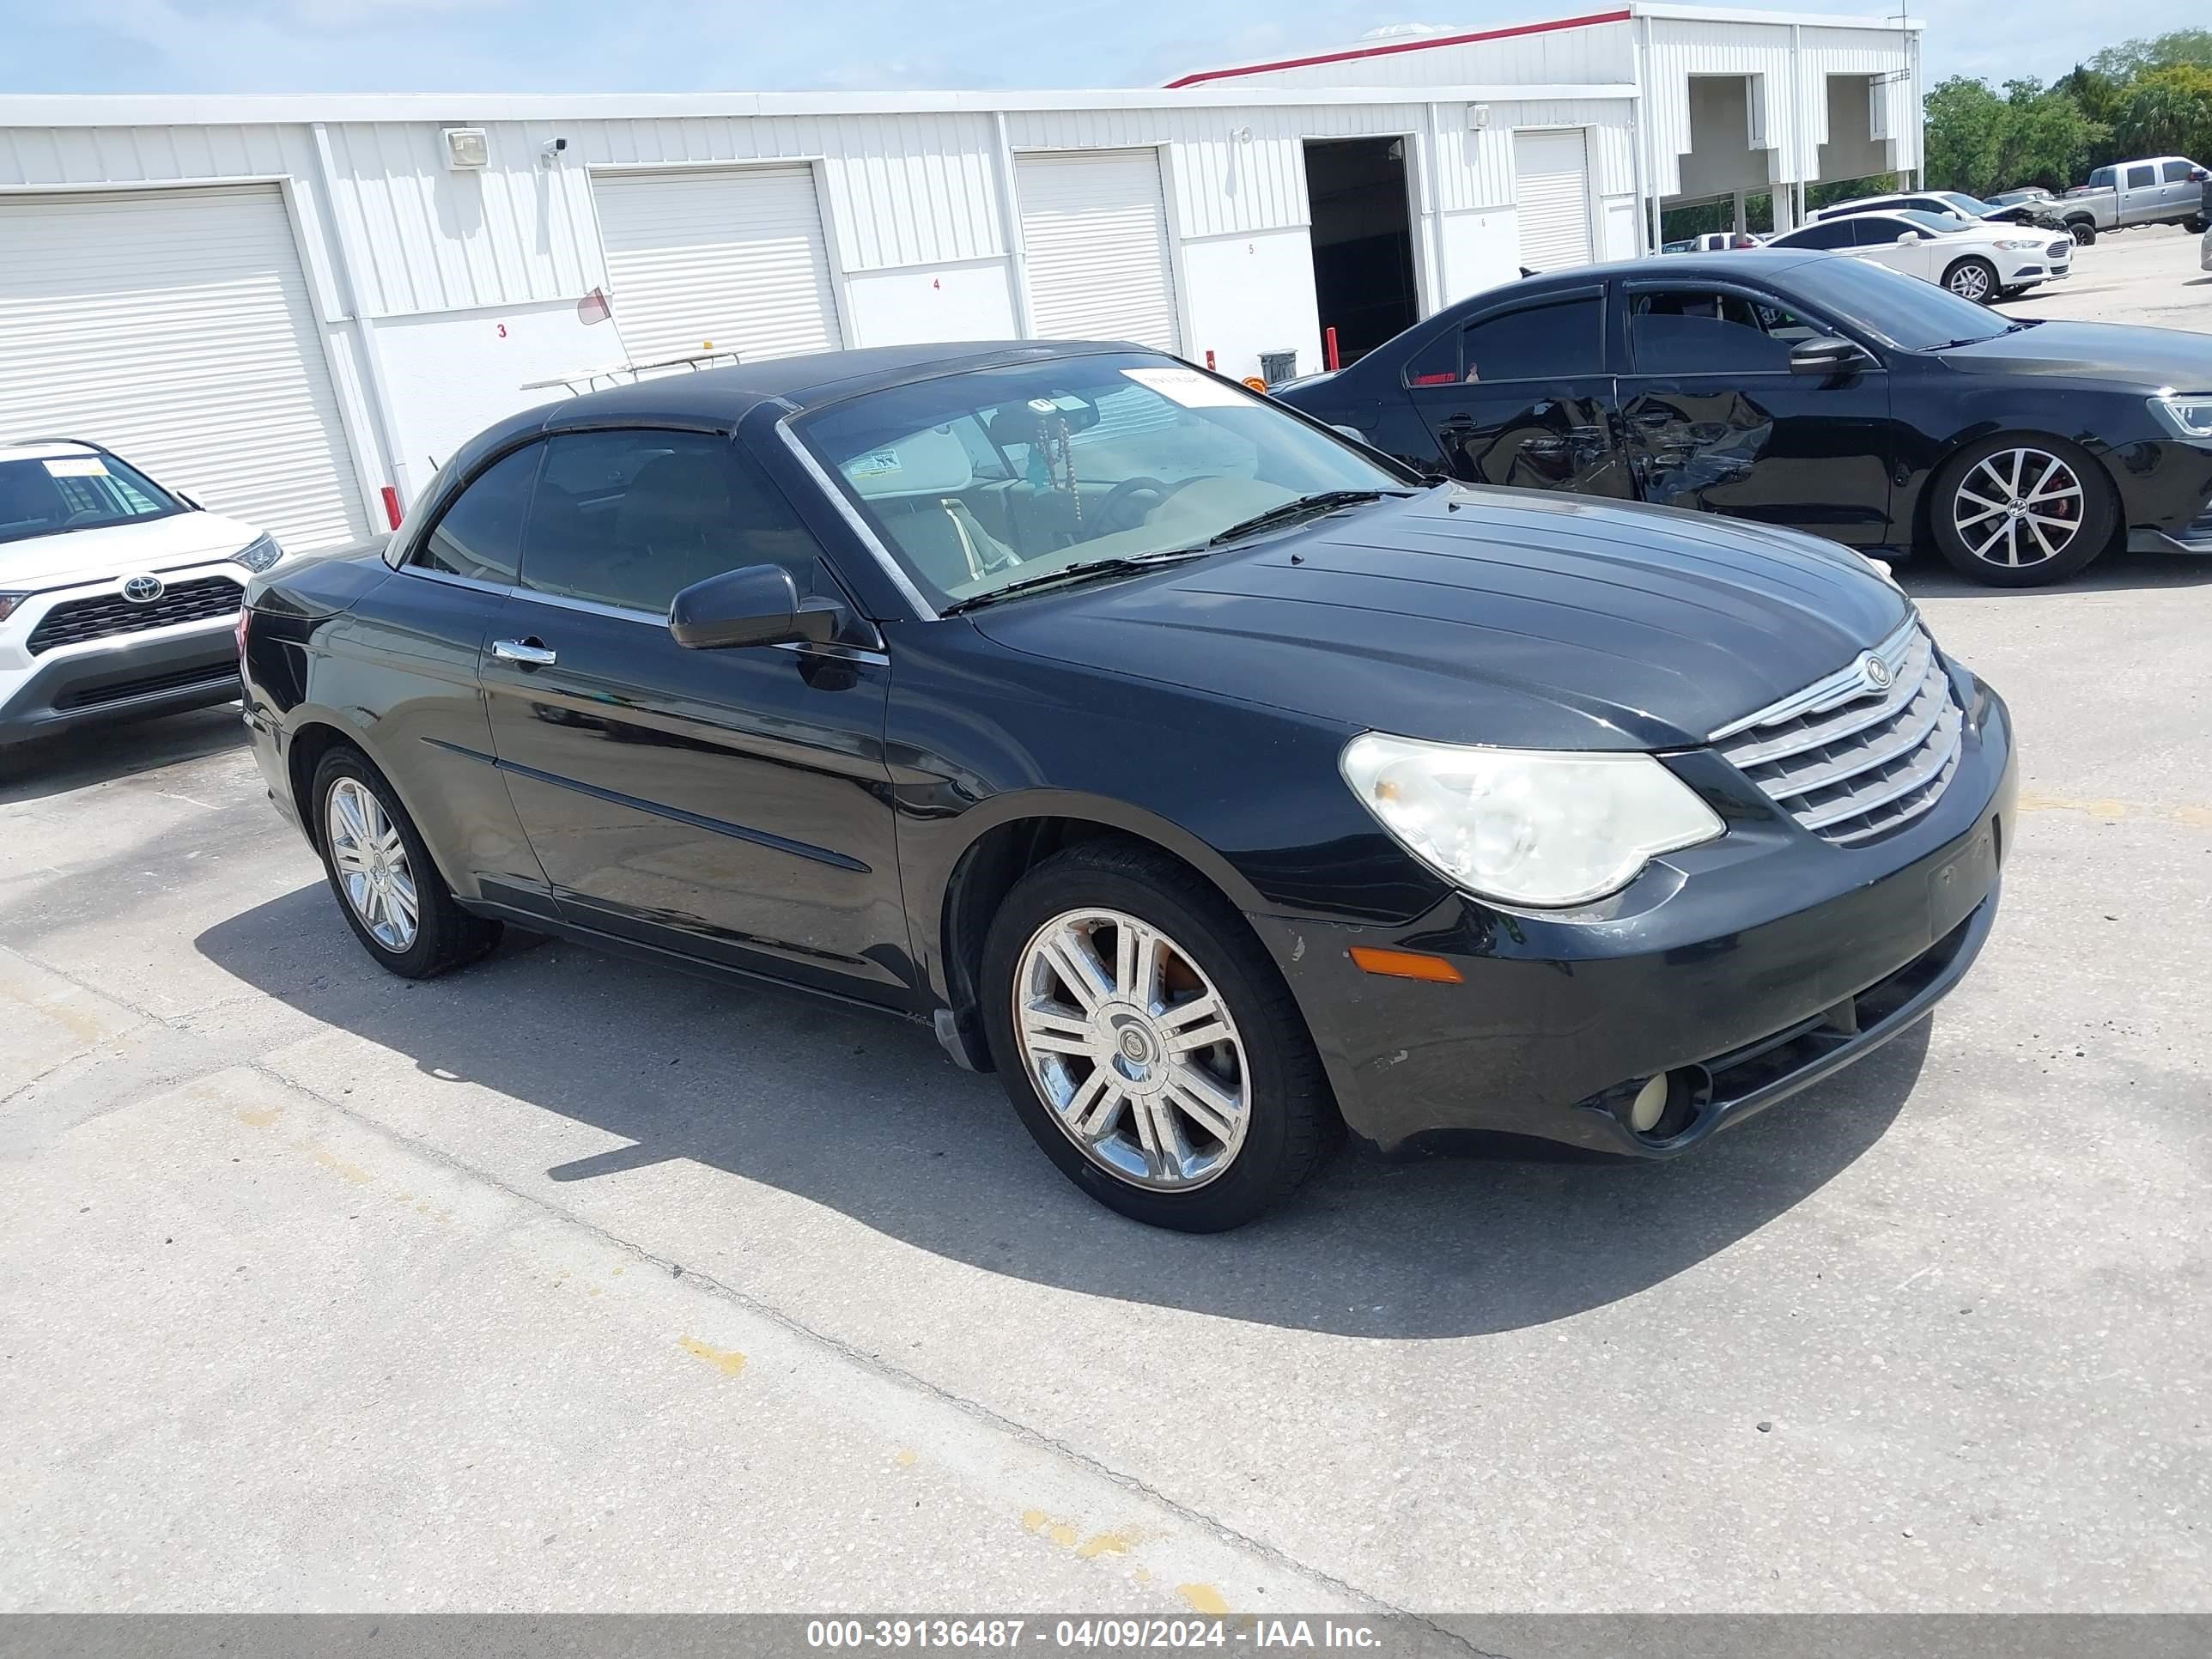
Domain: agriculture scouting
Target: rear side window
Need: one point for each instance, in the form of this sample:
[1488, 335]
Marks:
[479, 535]
[1829, 232]
[1544, 342]
[1876, 230]
[2139, 176]
[2176, 173]
[629, 518]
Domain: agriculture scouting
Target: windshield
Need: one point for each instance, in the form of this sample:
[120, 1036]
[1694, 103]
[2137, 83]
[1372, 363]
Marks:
[981, 480]
[1903, 311]
[1966, 203]
[46, 496]
[1935, 224]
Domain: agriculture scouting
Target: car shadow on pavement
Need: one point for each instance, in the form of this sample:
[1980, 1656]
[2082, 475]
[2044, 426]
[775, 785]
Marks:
[1926, 576]
[52, 766]
[865, 1115]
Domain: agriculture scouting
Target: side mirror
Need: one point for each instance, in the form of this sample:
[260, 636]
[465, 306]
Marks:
[1824, 354]
[756, 605]
[1907, 238]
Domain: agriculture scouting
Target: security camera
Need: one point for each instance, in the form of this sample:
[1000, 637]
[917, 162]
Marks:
[550, 155]
[560, 145]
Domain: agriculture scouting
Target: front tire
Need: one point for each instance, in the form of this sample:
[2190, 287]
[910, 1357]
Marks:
[388, 886]
[2083, 233]
[2022, 511]
[1147, 1042]
[1974, 279]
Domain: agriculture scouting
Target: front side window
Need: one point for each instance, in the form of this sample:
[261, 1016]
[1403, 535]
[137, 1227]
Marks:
[46, 496]
[1700, 330]
[631, 518]
[1111, 455]
[1537, 343]
[479, 535]
[2176, 173]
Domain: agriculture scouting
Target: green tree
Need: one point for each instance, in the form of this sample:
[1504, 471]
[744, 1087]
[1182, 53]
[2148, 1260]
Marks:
[1981, 141]
[2169, 112]
[1965, 121]
[2137, 59]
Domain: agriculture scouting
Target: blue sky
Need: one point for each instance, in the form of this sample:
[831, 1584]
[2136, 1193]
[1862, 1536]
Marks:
[680, 45]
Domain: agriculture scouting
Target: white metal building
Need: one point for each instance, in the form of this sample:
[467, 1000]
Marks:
[295, 306]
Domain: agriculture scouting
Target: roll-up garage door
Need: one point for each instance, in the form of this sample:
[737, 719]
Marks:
[175, 327]
[1095, 227]
[734, 256]
[1551, 177]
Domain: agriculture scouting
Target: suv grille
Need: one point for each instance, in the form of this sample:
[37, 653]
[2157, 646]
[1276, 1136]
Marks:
[1850, 761]
[75, 621]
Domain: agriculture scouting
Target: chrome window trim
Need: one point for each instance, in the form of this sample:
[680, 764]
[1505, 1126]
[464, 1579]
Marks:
[451, 581]
[860, 527]
[1843, 682]
[590, 607]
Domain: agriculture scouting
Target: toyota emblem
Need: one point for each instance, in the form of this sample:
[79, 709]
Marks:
[144, 590]
[1875, 672]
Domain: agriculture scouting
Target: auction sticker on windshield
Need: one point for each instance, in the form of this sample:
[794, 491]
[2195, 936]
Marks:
[74, 466]
[1189, 387]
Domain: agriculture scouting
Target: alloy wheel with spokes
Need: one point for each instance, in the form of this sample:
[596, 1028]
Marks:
[373, 872]
[1972, 279]
[2019, 506]
[1133, 1047]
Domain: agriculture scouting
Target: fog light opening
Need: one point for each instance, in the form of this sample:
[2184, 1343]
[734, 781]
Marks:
[1660, 1108]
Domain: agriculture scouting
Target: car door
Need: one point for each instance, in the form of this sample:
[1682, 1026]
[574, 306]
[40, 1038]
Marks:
[733, 804]
[2139, 194]
[1521, 395]
[2176, 188]
[1716, 421]
[1878, 237]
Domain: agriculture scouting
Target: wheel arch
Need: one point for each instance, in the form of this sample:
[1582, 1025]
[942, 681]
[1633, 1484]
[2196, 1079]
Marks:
[1983, 431]
[313, 730]
[1011, 836]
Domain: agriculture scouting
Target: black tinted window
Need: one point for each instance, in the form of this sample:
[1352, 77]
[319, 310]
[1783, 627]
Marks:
[2175, 173]
[1829, 232]
[1436, 363]
[480, 535]
[632, 518]
[1874, 229]
[1537, 342]
[2101, 178]
[1692, 330]
[2138, 177]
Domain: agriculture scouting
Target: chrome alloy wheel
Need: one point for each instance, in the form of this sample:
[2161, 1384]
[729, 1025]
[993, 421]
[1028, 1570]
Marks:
[2018, 507]
[1133, 1048]
[371, 864]
[1970, 282]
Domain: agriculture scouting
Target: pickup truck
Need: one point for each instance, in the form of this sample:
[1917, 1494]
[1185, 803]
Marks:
[2165, 190]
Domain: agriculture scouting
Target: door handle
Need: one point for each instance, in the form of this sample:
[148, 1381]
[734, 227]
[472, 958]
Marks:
[1456, 423]
[529, 653]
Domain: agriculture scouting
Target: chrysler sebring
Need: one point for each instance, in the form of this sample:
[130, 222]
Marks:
[1219, 783]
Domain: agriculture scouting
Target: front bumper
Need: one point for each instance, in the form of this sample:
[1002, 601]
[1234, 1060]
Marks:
[1766, 963]
[129, 677]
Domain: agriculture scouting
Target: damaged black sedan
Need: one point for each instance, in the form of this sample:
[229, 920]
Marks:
[1220, 784]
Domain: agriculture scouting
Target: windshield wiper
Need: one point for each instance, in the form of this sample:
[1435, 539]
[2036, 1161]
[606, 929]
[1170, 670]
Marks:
[1068, 573]
[1304, 507]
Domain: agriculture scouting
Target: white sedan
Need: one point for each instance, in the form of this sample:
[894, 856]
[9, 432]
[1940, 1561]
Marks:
[1982, 262]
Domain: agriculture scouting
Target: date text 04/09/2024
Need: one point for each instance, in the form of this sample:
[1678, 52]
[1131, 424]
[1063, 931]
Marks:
[1085, 1634]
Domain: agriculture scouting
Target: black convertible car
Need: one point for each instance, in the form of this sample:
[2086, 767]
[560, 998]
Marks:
[1218, 781]
[1812, 390]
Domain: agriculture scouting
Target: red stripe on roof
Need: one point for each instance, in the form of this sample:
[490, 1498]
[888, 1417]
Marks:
[1426, 43]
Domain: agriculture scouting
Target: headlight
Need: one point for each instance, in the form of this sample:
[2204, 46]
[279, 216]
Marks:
[8, 603]
[2190, 414]
[1526, 826]
[2021, 244]
[258, 554]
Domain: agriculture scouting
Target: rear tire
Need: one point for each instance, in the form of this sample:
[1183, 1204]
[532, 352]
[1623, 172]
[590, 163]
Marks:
[2068, 509]
[1197, 1137]
[386, 882]
[1973, 278]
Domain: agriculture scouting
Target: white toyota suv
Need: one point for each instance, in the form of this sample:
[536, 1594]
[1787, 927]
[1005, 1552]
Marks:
[118, 597]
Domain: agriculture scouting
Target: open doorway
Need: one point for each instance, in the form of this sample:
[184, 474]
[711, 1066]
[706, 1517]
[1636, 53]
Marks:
[1363, 240]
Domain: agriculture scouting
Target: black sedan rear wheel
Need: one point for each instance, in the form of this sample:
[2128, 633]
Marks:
[2020, 510]
[392, 896]
[1147, 1042]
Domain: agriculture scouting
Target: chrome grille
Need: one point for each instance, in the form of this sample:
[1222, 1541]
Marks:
[1851, 760]
[2059, 250]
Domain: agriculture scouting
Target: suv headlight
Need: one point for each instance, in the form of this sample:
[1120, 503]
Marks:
[8, 603]
[258, 554]
[2190, 413]
[1526, 826]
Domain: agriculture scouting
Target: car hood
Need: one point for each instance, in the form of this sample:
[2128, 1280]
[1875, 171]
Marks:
[2152, 357]
[73, 556]
[1505, 616]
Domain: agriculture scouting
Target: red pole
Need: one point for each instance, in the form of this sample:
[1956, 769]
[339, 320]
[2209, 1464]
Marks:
[1209, 360]
[1329, 335]
[391, 505]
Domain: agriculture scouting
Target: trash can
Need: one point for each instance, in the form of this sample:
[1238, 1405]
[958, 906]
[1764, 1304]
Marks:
[1277, 367]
